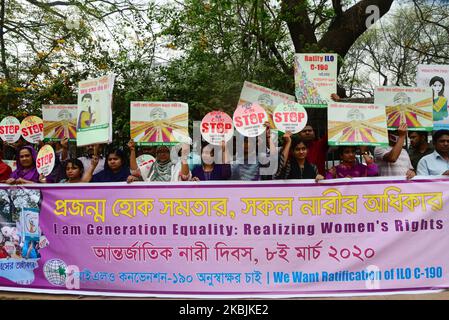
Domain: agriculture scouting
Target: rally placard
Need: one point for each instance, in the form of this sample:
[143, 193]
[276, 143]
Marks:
[59, 121]
[45, 161]
[315, 78]
[94, 119]
[290, 117]
[249, 119]
[32, 129]
[437, 78]
[409, 105]
[217, 127]
[145, 162]
[10, 129]
[159, 123]
[264, 97]
[229, 239]
[355, 124]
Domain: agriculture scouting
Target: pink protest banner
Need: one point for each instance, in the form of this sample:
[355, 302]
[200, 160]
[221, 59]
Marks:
[232, 239]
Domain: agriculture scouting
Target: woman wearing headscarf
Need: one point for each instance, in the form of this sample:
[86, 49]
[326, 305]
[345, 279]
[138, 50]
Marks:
[164, 170]
[115, 168]
[26, 171]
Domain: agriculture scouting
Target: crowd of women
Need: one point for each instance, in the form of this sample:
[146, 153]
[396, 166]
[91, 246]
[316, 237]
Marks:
[301, 156]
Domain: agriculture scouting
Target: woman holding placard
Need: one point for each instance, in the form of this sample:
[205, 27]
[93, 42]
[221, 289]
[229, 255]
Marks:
[74, 170]
[293, 163]
[115, 168]
[26, 171]
[209, 170]
[164, 170]
[350, 168]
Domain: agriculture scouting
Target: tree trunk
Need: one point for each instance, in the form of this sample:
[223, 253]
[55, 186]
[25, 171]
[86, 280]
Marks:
[343, 31]
[2, 40]
[348, 27]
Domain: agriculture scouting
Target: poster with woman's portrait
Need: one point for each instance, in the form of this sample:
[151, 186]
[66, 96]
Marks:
[437, 78]
[159, 123]
[94, 116]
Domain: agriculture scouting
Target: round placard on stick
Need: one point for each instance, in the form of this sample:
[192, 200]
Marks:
[290, 117]
[32, 128]
[145, 162]
[217, 127]
[10, 129]
[249, 119]
[45, 161]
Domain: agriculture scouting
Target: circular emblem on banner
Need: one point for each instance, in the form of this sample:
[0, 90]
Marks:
[249, 119]
[290, 117]
[32, 128]
[10, 129]
[145, 162]
[45, 161]
[216, 127]
[55, 272]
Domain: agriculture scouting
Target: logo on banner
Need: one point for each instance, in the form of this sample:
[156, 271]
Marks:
[55, 272]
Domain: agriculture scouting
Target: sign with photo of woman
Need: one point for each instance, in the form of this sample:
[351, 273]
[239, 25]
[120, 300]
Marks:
[94, 120]
[436, 77]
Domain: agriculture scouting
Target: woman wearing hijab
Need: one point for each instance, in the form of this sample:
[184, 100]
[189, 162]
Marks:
[115, 168]
[164, 170]
[5, 171]
[26, 171]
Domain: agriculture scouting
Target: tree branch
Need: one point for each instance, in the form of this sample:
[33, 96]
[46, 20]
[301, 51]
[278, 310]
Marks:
[2, 40]
[336, 4]
[346, 28]
[295, 14]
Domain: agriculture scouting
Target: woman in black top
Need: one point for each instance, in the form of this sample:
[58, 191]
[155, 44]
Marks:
[293, 163]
